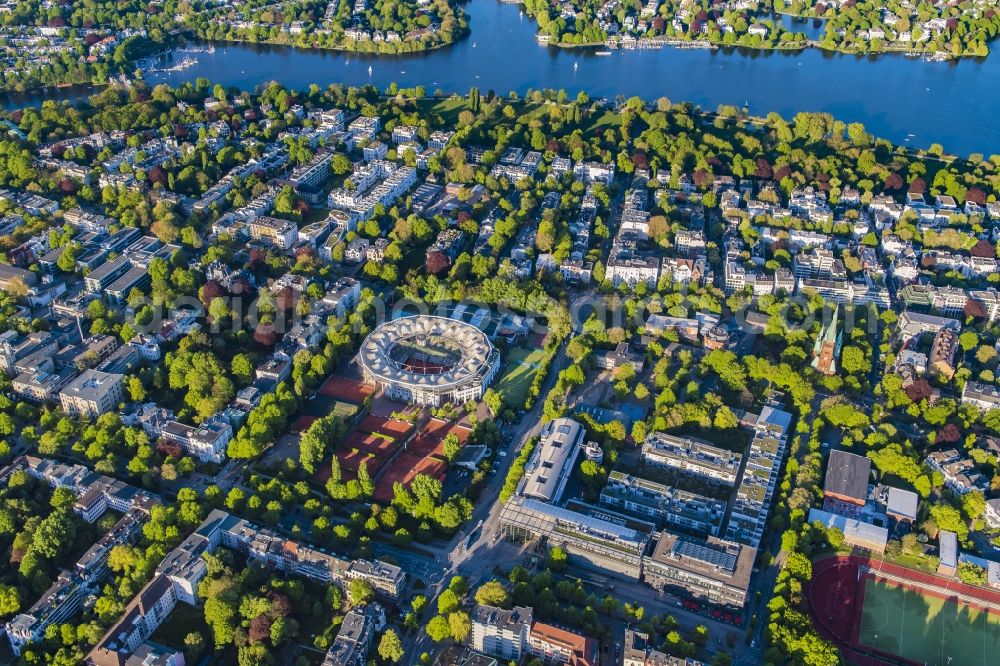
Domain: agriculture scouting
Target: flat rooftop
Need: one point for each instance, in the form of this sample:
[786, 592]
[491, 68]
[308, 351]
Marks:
[723, 561]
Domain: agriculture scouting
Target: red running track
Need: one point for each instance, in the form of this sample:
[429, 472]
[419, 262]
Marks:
[836, 599]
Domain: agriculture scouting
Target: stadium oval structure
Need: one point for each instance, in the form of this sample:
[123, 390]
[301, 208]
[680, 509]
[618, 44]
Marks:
[429, 360]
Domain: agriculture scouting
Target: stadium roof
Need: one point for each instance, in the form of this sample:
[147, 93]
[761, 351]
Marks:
[847, 476]
[476, 352]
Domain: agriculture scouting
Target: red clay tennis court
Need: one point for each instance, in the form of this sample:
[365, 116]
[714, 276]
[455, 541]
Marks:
[388, 427]
[435, 428]
[379, 446]
[405, 467]
[349, 390]
[302, 423]
[322, 474]
[431, 438]
[426, 446]
[351, 460]
[441, 428]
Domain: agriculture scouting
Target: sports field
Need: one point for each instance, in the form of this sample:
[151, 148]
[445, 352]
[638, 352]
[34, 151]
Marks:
[927, 629]
[344, 410]
[519, 373]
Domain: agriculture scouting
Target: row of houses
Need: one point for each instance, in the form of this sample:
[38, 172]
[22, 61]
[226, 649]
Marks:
[95, 494]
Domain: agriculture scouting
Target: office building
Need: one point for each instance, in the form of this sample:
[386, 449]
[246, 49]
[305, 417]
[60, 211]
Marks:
[748, 515]
[589, 542]
[856, 532]
[639, 651]
[847, 476]
[207, 442]
[282, 234]
[356, 636]
[552, 462]
[663, 504]
[712, 570]
[555, 645]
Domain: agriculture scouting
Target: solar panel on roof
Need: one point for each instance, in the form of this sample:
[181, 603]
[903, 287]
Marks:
[711, 556]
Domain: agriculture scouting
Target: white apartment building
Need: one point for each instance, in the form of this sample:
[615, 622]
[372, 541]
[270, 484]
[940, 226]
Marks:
[92, 394]
[632, 270]
[500, 633]
[206, 442]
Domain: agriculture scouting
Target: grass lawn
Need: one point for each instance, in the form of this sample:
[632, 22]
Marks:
[927, 629]
[448, 107]
[317, 214]
[344, 410]
[182, 621]
[522, 366]
[603, 121]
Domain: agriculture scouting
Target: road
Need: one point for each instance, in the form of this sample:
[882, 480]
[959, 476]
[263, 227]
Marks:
[228, 476]
[763, 582]
[477, 561]
[486, 551]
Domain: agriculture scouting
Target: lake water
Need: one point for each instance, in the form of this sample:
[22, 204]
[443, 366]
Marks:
[907, 100]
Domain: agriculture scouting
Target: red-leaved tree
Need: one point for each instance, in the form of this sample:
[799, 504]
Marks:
[437, 262]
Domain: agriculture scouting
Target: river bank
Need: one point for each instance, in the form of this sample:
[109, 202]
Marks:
[787, 21]
[340, 48]
[909, 101]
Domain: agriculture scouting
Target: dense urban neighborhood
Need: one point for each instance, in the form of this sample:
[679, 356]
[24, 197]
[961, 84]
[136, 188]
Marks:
[346, 376]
